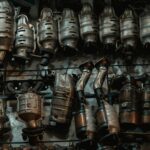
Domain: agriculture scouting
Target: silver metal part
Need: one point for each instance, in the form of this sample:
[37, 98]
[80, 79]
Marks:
[30, 107]
[145, 26]
[6, 27]
[68, 29]
[90, 120]
[102, 67]
[62, 100]
[88, 24]
[83, 80]
[112, 118]
[129, 28]
[25, 37]
[47, 30]
[98, 83]
[109, 26]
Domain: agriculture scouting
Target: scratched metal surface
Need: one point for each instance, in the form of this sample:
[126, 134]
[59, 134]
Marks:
[17, 124]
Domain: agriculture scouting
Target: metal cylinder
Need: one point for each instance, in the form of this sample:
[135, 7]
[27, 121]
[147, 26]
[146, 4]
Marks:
[129, 115]
[69, 29]
[108, 26]
[85, 124]
[63, 97]
[6, 28]
[47, 31]
[25, 37]
[129, 30]
[30, 106]
[106, 116]
[84, 120]
[107, 123]
[102, 67]
[88, 24]
[145, 26]
[145, 119]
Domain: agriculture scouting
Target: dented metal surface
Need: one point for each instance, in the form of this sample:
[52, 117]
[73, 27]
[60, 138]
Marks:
[25, 38]
[129, 28]
[18, 77]
[63, 99]
[114, 69]
[68, 29]
[47, 30]
[88, 24]
[108, 26]
[6, 29]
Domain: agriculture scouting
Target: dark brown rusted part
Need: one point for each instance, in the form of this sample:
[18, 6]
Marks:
[30, 108]
[82, 130]
[145, 118]
[129, 106]
[129, 118]
[80, 120]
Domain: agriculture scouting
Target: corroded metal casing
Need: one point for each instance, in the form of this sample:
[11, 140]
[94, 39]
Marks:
[30, 106]
[63, 97]
[6, 27]
[25, 37]
[84, 120]
[108, 26]
[88, 24]
[145, 119]
[107, 122]
[86, 69]
[129, 115]
[2, 115]
[106, 117]
[47, 31]
[69, 29]
[145, 26]
[85, 124]
[129, 30]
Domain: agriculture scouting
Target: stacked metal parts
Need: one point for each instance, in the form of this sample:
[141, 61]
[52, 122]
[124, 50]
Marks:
[67, 28]
[145, 119]
[56, 96]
